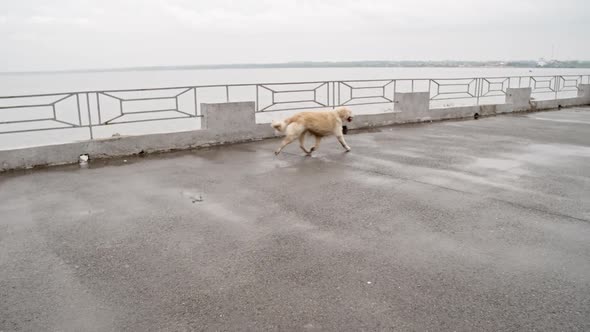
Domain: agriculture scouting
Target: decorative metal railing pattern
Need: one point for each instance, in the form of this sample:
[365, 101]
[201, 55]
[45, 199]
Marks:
[92, 109]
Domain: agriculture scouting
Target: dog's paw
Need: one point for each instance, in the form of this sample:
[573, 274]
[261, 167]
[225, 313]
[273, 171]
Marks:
[277, 153]
[348, 149]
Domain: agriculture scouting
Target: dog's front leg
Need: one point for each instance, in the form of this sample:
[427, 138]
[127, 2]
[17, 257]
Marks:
[340, 136]
[343, 142]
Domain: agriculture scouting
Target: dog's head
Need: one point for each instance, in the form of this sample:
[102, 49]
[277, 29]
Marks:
[345, 114]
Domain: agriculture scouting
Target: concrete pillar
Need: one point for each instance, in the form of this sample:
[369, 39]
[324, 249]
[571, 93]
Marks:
[414, 106]
[222, 118]
[519, 98]
[584, 93]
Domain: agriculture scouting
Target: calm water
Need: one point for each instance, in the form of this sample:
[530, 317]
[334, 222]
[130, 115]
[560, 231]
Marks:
[20, 84]
[48, 83]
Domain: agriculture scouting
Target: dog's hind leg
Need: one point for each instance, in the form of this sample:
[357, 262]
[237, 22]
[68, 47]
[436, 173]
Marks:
[317, 144]
[301, 143]
[286, 141]
[293, 131]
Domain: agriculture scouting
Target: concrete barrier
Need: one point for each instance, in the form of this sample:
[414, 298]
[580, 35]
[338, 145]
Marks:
[235, 122]
[518, 98]
[413, 106]
[584, 93]
[226, 118]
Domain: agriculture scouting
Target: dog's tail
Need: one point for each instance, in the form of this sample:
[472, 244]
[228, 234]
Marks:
[279, 125]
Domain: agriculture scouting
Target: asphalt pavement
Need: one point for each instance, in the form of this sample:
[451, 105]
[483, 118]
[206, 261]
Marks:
[480, 225]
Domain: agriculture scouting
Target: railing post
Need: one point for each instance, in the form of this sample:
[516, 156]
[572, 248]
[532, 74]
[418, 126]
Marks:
[478, 83]
[556, 85]
[196, 105]
[89, 116]
[257, 107]
[395, 88]
[78, 108]
[333, 95]
[98, 108]
[338, 93]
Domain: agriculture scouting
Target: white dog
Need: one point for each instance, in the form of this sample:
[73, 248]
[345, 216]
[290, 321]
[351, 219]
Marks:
[318, 124]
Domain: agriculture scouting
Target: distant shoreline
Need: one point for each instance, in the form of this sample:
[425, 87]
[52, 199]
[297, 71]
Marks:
[325, 64]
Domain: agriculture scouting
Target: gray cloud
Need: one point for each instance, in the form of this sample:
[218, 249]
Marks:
[68, 34]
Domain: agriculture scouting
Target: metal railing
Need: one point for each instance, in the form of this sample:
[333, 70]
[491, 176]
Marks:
[94, 109]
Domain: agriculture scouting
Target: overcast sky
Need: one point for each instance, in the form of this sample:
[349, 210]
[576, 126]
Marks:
[73, 34]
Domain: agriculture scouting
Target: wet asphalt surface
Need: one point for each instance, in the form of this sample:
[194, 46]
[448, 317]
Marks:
[453, 226]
